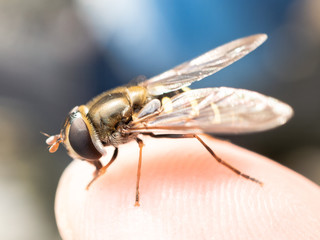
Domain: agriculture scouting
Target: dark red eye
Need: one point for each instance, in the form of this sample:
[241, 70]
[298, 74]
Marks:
[80, 140]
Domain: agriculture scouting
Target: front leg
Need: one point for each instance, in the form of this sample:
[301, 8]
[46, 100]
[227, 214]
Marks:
[97, 164]
[101, 170]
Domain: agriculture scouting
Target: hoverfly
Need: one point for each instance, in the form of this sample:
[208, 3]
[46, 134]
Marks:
[158, 107]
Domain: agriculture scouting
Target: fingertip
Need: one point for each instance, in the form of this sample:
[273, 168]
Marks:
[185, 194]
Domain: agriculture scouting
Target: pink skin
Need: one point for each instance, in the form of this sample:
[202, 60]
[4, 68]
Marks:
[186, 194]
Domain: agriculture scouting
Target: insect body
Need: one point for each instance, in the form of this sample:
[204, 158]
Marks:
[159, 107]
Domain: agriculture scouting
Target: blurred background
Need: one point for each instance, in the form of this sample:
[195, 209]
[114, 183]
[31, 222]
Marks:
[58, 54]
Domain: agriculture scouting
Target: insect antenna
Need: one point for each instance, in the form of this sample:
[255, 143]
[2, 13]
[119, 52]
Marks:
[53, 141]
[45, 134]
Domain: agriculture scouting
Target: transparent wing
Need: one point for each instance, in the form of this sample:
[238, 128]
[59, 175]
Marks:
[216, 110]
[203, 66]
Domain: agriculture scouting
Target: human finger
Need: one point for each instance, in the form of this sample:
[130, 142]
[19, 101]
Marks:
[186, 194]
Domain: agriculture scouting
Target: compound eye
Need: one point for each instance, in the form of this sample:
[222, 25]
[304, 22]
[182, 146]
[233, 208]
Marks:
[80, 140]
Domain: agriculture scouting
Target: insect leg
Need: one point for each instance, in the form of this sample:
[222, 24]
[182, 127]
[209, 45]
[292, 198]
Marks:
[140, 142]
[97, 164]
[99, 172]
[210, 151]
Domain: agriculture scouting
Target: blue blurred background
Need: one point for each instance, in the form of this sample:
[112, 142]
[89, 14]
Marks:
[58, 54]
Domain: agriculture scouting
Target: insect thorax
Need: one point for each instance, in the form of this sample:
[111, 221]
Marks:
[112, 110]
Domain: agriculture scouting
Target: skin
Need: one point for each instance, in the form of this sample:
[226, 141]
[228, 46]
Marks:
[186, 194]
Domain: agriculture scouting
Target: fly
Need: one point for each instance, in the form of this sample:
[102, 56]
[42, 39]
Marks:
[160, 107]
